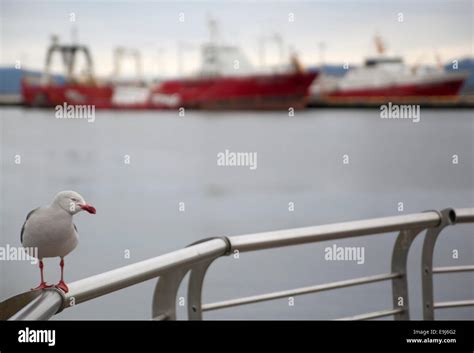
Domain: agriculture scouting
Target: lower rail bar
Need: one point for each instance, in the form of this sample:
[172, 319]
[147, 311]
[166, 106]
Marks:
[450, 269]
[372, 315]
[298, 291]
[454, 304]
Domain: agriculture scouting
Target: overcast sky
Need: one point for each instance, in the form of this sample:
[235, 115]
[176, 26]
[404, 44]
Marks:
[346, 29]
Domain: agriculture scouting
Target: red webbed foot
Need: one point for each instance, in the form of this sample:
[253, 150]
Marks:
[63, 286]
[42, 285]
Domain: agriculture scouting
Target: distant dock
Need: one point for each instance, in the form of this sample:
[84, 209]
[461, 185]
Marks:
[10, 99]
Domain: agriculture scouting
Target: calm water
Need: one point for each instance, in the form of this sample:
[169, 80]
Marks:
[300, 159]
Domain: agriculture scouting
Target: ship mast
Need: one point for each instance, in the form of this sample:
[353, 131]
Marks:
[379, 45]
[213, 47]
[213, 30]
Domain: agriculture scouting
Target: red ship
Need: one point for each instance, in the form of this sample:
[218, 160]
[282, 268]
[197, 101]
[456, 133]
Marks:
[385, 78]
[213, 88]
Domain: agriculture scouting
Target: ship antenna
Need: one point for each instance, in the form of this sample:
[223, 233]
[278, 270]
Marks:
[379, 44]
[322, 48]
[74, 35]
[213, 45]
[46, 77]
[279, 42]
[213, 30]
[439, 62]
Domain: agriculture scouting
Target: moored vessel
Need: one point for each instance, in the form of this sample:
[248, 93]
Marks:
[212, 88]
[387, 78]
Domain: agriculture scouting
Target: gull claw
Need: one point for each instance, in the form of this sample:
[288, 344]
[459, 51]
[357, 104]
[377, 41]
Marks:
[63, 286]
[42, 285]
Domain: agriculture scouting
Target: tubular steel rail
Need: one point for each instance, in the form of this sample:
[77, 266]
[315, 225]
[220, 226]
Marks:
[449, 216]
[196, 259]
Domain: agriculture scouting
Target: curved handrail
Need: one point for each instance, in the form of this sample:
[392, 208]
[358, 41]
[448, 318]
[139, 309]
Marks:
[51, 302]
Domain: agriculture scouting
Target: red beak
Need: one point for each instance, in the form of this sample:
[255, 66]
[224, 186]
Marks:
[88, 208]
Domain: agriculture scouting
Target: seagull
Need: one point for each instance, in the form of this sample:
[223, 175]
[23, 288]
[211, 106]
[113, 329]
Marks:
[51, 232]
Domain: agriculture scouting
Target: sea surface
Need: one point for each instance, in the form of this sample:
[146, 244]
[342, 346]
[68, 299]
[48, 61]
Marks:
[300, 160]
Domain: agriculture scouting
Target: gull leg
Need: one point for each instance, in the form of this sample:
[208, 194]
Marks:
[43, 284]
[61, 284]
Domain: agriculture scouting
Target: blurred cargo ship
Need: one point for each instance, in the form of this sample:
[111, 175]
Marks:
[213, 87]
[220, 86]
[384, 78]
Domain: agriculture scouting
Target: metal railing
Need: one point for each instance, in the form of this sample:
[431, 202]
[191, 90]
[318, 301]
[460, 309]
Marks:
[464, 215]
[172, 267]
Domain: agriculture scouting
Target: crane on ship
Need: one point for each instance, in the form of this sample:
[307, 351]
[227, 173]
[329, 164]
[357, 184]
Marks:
[69, 53]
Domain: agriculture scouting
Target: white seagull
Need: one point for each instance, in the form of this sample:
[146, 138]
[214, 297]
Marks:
[51, 232]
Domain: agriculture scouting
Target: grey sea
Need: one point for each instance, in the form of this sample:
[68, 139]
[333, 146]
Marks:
[300, 160]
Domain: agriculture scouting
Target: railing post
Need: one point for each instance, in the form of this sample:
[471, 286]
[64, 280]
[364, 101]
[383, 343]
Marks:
[448, 217]
[399, 265]
[166, 290]
[196, 279]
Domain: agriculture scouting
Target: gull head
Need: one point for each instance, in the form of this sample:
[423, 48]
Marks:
[72, 202]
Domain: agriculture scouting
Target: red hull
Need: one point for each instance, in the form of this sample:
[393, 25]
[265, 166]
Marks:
[447, 89]
[249, 92]
[74, 94]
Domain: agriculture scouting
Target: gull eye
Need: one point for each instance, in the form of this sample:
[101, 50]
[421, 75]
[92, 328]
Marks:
[74, 199]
